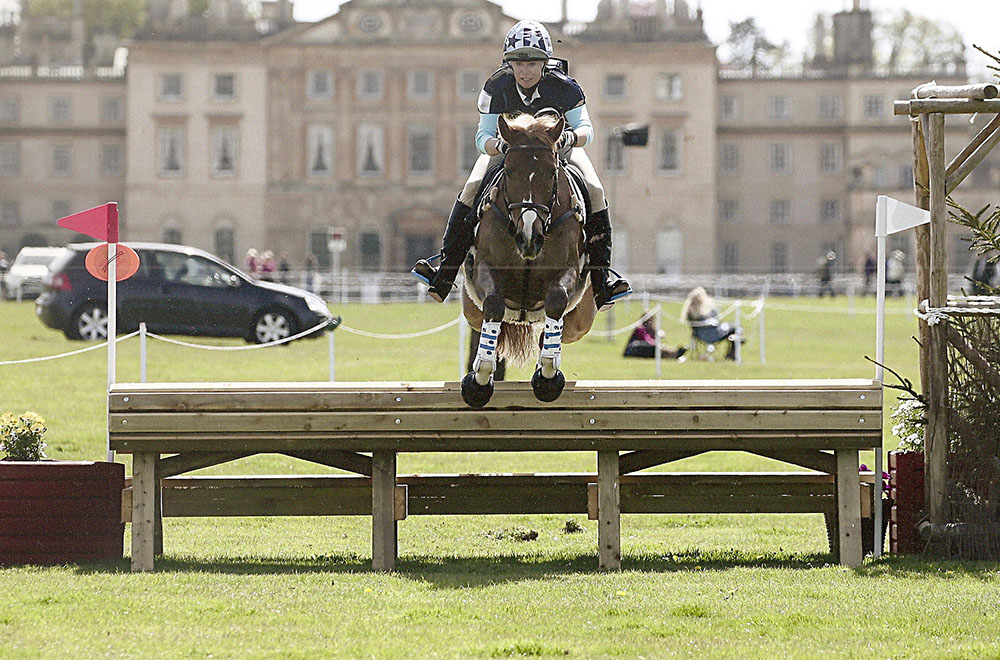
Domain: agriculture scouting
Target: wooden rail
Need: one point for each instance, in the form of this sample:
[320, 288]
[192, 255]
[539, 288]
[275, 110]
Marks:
[360, 427]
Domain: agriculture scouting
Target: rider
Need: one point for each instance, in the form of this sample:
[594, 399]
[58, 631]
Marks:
[526, 84]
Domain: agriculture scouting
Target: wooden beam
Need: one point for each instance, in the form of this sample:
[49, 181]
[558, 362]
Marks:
[973, 145]
[921, 194]
[814, 459]
[945, 106]
[634, 461]
[343, 460]
[936, 432]
[383, 510]
[848, 508]
[966, 166]
[979, 91]
[608, 512]
[143, 502]
[171, 466]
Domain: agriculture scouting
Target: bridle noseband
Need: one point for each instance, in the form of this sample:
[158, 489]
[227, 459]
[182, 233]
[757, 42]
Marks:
[543, 211]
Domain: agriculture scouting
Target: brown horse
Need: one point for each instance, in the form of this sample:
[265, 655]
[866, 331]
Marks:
[528, 269]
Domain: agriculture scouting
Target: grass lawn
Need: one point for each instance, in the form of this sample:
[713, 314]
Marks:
[692, 585]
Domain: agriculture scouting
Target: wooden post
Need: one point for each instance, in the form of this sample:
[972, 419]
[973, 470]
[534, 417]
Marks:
[608, 512]
[936, 433]
[157, 511]
[921, 193]
[383, 510]
[143, 510]
[848, 507]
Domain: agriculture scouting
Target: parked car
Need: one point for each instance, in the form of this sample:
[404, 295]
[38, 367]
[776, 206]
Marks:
[25, 276]
[177, 290]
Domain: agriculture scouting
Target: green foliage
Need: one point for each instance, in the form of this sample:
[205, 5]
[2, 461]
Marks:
[21, 436]
[121, 17]
[907, 42]
[748, 48]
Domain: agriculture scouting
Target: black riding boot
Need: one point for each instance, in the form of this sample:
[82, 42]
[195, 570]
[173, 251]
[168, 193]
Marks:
[607, 289]
[458, 238]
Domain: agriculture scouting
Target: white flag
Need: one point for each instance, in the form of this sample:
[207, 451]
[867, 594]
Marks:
[893, 216]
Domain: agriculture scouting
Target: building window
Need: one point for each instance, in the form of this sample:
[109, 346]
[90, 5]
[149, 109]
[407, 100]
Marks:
[831, 107]
[60, 110]
[111, 109]
[779, 257]
[225, 86]
[467, 152]
[421, 157]
[730, 257]
[729, 209]
[319, 150]
[780, 211]
[906, 175]
[112, 159]
[10, 213]
[730, 157]
[779, 158]
[370, 150]
[10, 110]
[62, 159]
[779, 107]
[225, 140]
[171, 154]
[829, 158]
[614, 157]
[420, 85]
[829, 210]
[320, 84]
[370, 85]
[172, 235]
[10, 158]
[370, 244]
[319, 241]
[171, 87]
[669, 244]
[224, 243]
[614, 86]
[470, 83]
[668, 87]
[60, 209]
[731, 106]
[670, 152]
[879, 177]
[874, 106]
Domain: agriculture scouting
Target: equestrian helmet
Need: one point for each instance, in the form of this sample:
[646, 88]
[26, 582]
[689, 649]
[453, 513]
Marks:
[527, 40]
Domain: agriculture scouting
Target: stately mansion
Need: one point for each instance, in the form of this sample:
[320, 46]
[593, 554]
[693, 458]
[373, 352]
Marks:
[228, 132]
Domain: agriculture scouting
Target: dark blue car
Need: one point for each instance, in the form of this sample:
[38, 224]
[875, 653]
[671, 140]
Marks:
[177, 290]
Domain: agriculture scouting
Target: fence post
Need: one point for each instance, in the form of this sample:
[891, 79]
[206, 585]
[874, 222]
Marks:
[333, 375]
[142, 352]
[760, 331]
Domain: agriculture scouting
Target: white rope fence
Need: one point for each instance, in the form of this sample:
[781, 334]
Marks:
[631, 326]
[62, 355]
[409, 335]
[251, 347]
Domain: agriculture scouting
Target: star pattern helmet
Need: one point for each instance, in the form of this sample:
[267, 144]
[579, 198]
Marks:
[527, 40]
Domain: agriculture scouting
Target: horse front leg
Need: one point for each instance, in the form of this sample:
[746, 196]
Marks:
[477, 386]
[548, 381]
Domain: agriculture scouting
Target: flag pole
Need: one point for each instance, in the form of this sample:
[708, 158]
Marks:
[112, 313]
[881, 211]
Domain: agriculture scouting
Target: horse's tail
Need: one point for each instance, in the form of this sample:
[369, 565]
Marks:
[517, 342]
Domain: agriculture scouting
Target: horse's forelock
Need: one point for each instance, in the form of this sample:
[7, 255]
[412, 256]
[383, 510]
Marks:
[536, 128]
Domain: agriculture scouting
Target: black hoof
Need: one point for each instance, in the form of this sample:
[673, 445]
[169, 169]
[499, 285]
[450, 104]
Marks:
[547, 389]
[474, 394]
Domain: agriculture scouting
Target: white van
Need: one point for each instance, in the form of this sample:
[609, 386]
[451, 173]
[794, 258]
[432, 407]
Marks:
[24, 279]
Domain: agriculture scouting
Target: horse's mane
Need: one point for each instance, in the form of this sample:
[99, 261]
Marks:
[535, 127]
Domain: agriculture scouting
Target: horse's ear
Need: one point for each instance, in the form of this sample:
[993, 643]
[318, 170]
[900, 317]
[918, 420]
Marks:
[556, 131]
[505, 131]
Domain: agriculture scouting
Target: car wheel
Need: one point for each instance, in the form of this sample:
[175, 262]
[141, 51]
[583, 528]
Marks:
[272, 325]
[90, 322]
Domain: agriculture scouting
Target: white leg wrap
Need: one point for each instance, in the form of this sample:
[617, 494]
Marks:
[552, 343]
[489, 335]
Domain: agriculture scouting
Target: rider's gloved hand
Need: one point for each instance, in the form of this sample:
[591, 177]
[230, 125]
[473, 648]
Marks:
[567, 139]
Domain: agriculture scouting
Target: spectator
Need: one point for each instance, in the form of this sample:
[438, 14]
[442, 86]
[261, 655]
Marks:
[700, 312]
[870, 270]
[253, 263]
[824, 271]
[642, 343]
[267, 266]
[309, 281]
[283, 268]
[894, 271]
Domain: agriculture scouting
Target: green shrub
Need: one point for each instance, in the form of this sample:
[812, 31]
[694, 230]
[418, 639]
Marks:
[21, 436]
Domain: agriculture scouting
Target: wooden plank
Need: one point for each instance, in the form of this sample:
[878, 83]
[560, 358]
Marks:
[383, 510]
[810, 459]
[528, 440]
[640, 460]
[344, 460]
[966, 167]
[143, 485]
[475, 421]
[945, 106]
[179, 464]
[608, 512]
[971, 147]
[848, 508]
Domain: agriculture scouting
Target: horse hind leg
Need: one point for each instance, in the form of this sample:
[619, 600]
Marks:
[548, 381]
[477, 386]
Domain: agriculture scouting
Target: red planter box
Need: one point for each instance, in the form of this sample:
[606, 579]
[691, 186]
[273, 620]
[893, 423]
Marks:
[52, 512]
[906, 488]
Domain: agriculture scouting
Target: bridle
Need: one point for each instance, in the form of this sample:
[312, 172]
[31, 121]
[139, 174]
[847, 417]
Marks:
[543, 211]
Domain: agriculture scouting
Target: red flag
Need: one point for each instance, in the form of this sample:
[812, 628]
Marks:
[101, 222]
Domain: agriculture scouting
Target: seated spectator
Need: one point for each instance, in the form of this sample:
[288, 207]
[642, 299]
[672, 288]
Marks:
[642, 343]
[700, 312]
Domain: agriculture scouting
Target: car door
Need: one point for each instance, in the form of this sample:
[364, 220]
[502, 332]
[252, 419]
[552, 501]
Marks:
[141, 298]
[204, 296]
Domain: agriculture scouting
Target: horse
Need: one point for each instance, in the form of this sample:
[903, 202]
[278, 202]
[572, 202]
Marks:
[527, 269]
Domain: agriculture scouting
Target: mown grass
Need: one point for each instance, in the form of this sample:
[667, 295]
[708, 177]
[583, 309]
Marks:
[692, 586]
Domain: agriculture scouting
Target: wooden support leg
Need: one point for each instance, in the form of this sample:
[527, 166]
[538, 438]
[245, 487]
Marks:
[848, 507]
[157, 512]
[143, 513]
[608, 512]
[383, 510]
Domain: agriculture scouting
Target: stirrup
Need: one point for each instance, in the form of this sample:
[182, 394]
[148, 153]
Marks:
[615, 291]
[424, 271]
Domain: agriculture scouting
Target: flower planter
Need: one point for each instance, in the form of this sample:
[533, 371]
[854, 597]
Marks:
[906, 489]
[53, 512]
